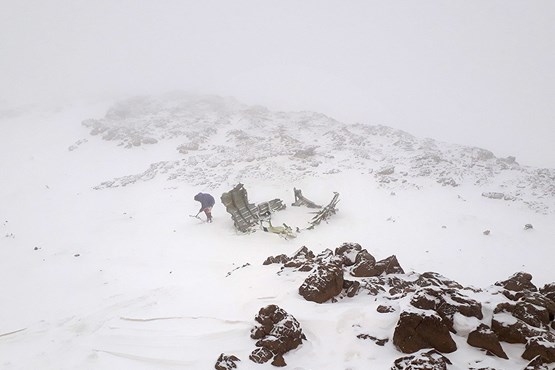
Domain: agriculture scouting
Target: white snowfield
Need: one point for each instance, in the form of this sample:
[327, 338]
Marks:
[101, 266]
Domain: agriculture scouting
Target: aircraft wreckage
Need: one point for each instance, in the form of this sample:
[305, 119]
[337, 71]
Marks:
[248, 216]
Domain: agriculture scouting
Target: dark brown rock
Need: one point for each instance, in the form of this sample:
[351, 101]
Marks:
[364, 264]
[348, 251]
[379, 342]
[548, 291]
[373, 286]
[431, 360]
[226, 362]
[322, 284]
[351, 288]
[483, 337]
[420, 330]
[389, 265]
[435, 279]
[278, 332]
[512, 330]
[531, 314]
[279, 361]
[260, 355]
[385, 309]
[282, 258]
[446, 302]
[541, 300]
[302, 257]
[543, 346]
[518, 282]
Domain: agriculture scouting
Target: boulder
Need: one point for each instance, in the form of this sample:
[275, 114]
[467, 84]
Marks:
[363, 265]
[420, 330]
[278, 333]
[483, 337]
[385, 309]
[323, 283]
[351, 288]
[518, 282]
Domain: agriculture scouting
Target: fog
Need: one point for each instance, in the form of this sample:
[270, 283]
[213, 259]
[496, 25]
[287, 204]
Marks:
[470, 72]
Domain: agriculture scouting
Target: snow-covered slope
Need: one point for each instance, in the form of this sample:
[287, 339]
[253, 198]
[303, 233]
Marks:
[223, 141]
[103, 270]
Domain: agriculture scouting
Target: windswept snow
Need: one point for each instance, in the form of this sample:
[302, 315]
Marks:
[102, 269]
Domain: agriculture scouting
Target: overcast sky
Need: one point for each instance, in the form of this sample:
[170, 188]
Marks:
[471, 72]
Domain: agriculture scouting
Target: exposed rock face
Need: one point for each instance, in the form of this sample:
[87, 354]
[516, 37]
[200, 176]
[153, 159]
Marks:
[420, 330]
[226, 362]
[278, 333]
[430, 360]
[483, 337]
[323, 284]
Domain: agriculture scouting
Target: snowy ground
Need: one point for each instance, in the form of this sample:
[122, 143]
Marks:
[123, 278]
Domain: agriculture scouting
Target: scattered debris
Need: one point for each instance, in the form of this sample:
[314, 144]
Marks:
[237, 268]
[300, 200]
[326, 212]
[528, 227]
[245, 215]
[284, 231]
[486, 232]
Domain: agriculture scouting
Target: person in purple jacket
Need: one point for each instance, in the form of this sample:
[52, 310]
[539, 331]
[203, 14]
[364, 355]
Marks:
[206, 203]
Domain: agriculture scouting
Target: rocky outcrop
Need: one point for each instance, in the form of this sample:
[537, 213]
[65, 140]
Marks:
[420, 330]
[436, 304]
[278, 333]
